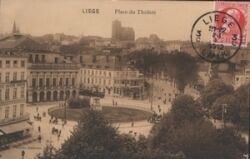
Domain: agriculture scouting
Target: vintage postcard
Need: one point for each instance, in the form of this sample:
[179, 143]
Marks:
[117, 79]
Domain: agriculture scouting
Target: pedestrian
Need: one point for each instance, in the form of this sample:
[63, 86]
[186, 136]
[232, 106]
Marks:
[132, 124]
[44, 114]
[52, 130]
[40, 138]
[39, 129]
[58, 135]
[23, 154]
[36, 108]
[135, 133]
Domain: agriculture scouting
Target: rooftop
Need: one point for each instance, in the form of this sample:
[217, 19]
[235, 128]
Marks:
[20, 42]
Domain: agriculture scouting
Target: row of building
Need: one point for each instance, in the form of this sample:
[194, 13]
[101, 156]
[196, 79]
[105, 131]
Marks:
[13, 116]
[29, 72]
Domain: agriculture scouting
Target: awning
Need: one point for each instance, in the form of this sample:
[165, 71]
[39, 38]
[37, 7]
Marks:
[15, 127]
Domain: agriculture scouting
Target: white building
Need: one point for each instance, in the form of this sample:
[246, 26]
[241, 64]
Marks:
[118, 82]
[243, 78]
[13, 117]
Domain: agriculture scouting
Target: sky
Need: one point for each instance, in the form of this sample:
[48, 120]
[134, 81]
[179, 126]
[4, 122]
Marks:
[173, 20]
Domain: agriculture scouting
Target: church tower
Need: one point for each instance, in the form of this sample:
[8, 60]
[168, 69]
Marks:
[15, 29]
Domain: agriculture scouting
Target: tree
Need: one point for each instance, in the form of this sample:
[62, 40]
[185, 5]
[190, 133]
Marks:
[195, 137]
[94, 138]
[243, 94]
[214, 89]
[231, 108]
[179, 66]
[185, 108]
[145, 60]
[183, 69]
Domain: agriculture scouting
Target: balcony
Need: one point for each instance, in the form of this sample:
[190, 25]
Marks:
[18, 81]
[53, 66]
[14, 120]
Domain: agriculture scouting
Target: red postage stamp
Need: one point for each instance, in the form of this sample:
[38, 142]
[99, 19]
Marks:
[238, 11]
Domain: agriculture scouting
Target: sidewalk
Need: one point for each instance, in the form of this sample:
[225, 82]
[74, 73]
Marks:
[144, 105]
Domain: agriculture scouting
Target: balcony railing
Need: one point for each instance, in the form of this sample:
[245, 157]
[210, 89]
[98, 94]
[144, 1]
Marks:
[14, 120]
[52, 66]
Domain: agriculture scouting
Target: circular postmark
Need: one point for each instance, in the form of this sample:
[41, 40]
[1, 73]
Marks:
[216, 36]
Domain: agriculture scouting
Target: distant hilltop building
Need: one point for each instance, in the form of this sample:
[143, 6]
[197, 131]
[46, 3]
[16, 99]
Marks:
[120, 33]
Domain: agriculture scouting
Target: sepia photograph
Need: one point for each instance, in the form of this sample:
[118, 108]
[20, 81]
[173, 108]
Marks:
[118, 79]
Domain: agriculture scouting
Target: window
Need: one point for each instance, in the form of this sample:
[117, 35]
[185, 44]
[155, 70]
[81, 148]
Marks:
[73, 82]
[67, 81]
[36, 58]
[61, 82]
[40, 82]
[47, 82]
[14, 76]
[30, 58]
[7, 111]
[15, 63]
[7, 77]
[14, 93]
[0, 77]
[56, 59]
[54, 81]
[7, 64]
[33, 82]
[1, 64]
[22, 63]
[14, 111]
[22, 92]
[22, 76]
[21, 109]
[43, 58]
[0, 95]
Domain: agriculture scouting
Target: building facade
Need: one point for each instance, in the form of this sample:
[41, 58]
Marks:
[116, 82]
[51, 77]
[242, 78]
[13, 116]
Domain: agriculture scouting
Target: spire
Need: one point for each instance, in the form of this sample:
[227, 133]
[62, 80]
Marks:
[15, 29]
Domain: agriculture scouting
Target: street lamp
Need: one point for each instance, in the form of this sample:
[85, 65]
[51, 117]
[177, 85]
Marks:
[152, 95]
[65, 111]
[223, 112]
